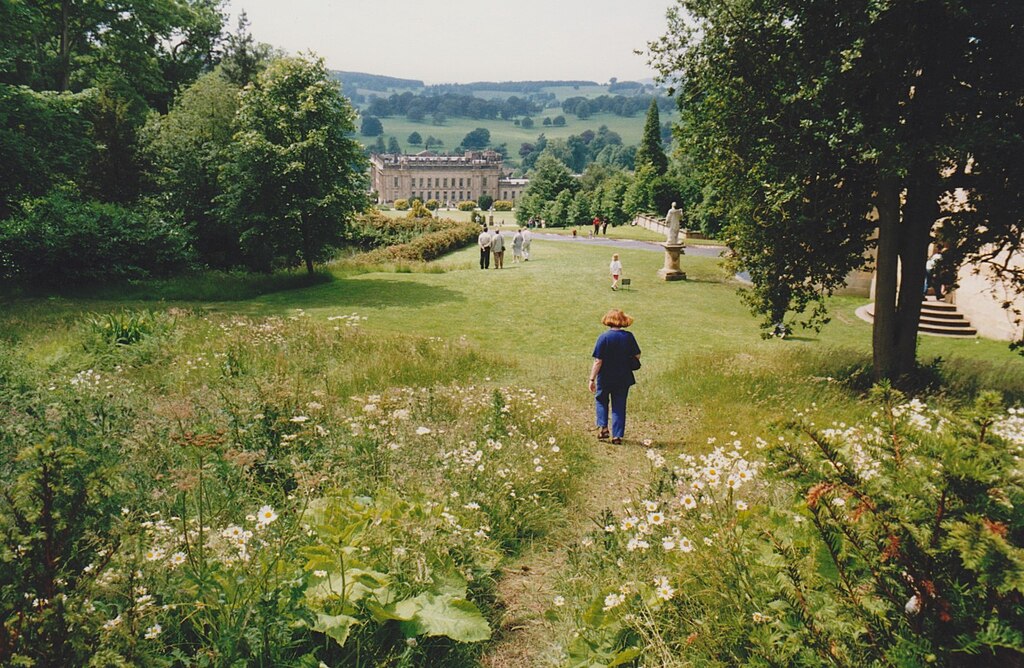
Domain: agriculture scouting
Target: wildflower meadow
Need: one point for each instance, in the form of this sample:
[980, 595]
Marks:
[308, 478]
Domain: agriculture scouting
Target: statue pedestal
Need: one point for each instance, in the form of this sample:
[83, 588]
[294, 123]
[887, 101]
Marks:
[671, 270]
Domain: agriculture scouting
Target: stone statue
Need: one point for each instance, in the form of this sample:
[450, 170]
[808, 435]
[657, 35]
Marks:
[672, 219]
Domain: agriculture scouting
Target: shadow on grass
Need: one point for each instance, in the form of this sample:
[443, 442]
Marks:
[352, 293]
[957, 378]
[207, 286]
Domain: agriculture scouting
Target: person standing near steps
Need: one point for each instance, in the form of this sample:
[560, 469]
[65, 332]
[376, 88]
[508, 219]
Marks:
[616, 356]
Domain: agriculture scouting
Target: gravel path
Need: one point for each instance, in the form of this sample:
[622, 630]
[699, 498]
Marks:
[708, 251]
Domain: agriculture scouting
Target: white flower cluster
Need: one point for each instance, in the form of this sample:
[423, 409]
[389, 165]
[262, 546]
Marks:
[267, 331]
[699, 477]
[89, 380]
[350, 320]
[1011, 427]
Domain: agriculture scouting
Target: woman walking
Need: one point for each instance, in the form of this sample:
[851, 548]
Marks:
[615, 269]
[616, 356]
[517, 247]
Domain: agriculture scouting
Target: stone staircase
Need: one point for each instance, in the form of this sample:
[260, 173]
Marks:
[938, 318]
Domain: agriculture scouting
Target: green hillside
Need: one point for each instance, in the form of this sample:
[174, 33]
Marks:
[505, 132]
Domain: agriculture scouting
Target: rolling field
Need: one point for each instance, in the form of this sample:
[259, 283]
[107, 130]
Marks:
[504, 132]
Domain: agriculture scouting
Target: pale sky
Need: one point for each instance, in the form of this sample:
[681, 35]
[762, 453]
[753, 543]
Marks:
[460, 41]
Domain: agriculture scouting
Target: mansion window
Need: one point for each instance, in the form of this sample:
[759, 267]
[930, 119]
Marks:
[460, 182]
[396, 181]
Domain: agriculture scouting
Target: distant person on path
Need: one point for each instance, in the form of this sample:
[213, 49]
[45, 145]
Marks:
[527, 240]
[615, 269]
[616, 355]
[498, 248]
[517, 246]
[484, 241]
[597, 225]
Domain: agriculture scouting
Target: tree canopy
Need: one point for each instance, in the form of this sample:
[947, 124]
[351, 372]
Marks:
[828, 130]
[295, 177]
[478, 138]
[650, 152]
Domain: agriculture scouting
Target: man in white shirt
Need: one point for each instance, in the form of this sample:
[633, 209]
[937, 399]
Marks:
[484, 241]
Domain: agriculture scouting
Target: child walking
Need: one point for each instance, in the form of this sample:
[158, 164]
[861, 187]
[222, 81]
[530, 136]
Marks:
[616, 270]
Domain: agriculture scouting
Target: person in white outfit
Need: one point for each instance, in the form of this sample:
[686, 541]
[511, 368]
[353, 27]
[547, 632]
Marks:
[615, 268]
[527, 239]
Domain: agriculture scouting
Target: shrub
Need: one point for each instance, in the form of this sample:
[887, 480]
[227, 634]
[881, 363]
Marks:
[502, 205]
[485, 201]
[452, 236]
[468, 205]
[374, 229]
[401, 204]
[419, 210]
[895, 542]
[433, 204]
[60, 240]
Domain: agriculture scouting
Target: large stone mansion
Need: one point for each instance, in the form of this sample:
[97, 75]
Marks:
[446, 178]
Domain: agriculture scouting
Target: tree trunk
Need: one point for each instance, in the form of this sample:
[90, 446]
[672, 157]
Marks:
[309, 264]
[884, 332]
[921, 210]
[64, 55]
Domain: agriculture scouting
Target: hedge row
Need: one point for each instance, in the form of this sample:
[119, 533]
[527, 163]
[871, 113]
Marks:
[451, 236]
[375, 230]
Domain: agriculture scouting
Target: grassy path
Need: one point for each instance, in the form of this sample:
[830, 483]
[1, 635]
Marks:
[525, 639]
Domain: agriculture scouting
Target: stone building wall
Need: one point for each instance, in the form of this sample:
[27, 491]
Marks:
[446, 178]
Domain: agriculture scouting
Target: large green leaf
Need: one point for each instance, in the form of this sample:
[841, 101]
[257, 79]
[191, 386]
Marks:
[335, 626]
[444, 615]
[625, 656]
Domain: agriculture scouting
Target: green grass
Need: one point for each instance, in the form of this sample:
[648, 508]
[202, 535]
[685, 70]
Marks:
[705, 364]
[504, 132]
[241, 362]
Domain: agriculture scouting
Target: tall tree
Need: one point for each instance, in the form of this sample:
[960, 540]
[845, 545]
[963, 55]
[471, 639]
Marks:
[244, 58]
[650, 152]
[478, 138]
[187, 148]
[154, 45]
[44, 141]
[549, 178]
[295, 176]
[820, 125]
[371, 127]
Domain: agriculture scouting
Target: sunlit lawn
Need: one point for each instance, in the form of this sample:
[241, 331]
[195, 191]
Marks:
[705, 366]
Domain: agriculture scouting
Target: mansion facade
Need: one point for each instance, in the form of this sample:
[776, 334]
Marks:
[446, 178]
